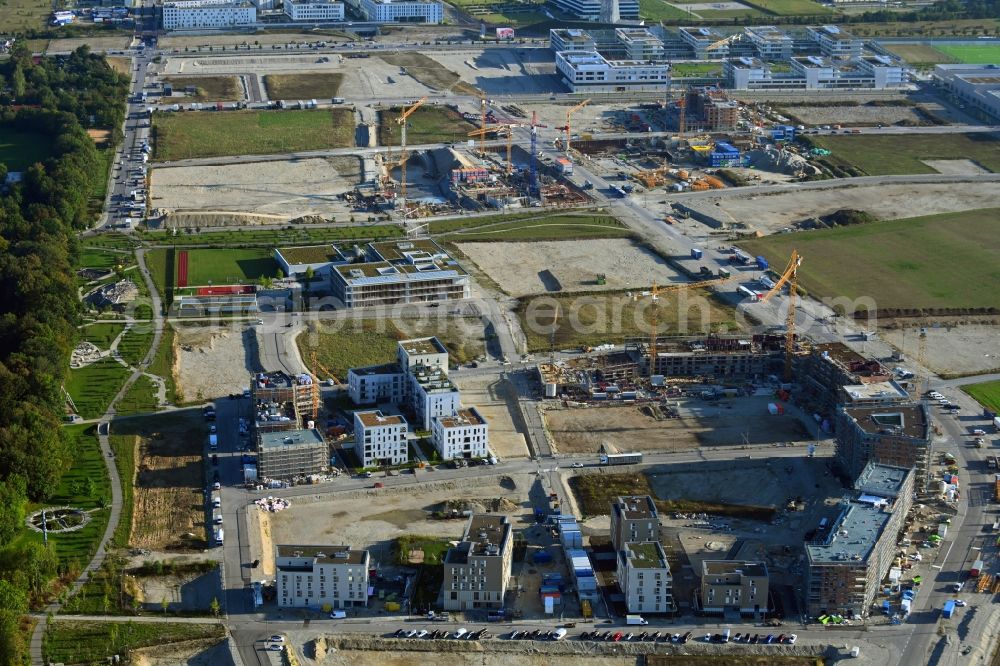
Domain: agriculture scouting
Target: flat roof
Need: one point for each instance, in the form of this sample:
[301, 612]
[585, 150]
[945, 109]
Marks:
[853, 535]
[726, 567]
[645, 555]
[464, 417]
[290, 438]
[383, 369]
[876, 390]
[372, 418]
[701, 34]
[636, 507]
[769, 33]
[428, 345]
[882, 480]
[310, 254]
[908, 420]
[396, 250]
[485, 535]
[432, 379]
[331, 554]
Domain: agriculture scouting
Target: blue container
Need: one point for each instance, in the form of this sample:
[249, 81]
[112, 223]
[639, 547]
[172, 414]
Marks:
[696, 253]
[762, 263]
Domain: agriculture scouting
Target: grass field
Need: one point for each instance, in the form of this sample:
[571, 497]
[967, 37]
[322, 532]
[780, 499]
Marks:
[303, 86]
[789, 7]
[614, 317]
[185, 135]
[939, 261]
[101, 334]
[719, 14]
[135, 343]
[19, 150]
[987, 394]
[21, 15]
[270, 238]
[683, 69]
[139, 399]
[95, 257]
[659, 10]
[73, 642]
[977, 54]
[902, 154]
[920, 55]
[556, 227]
[428, 124]
[163, 364]
[208, 88]
[92, 387]
[124, 448]
[212, 266]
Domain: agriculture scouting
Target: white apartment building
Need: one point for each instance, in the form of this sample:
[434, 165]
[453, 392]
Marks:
[380, 439]
[377, 384]
[432, 394]
[835, 43]
[593, 10]
[318, 576]
[194, 14]
[464, 435]
[425, 352]
[644, 577]
[305, 10]
[408, 11]
[589, 71]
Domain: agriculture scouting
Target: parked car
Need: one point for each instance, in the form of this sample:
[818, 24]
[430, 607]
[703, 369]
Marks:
[791, 639]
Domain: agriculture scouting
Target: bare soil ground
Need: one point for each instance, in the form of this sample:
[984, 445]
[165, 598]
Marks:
[286, 189]
[116, 43]
[193, 41]
[955, 167]
[487, 395]
[169, 507]
[520, 268]
[502, 71]
[773, 212]
[853, 115]
[953, 348]
[626, 428]
[213, 361]
[193, 653]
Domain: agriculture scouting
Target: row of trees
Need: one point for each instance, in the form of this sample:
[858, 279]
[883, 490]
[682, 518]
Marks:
[58, 99]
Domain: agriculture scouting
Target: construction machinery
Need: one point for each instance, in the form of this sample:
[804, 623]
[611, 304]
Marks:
[568, 126]
[506, 130]
[533, 162]
[655, 291]
[404, 156]
[790, 277]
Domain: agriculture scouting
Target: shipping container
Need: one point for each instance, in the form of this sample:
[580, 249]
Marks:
[762, 263]
[977, 568]
[948, 610]
[696, 253]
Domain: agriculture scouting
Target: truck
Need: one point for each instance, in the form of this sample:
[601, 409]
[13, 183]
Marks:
[621, 458]
[762, 263]
[696, 253]
[976, 568]
[633, 620]
[948, 610]
[337, 100]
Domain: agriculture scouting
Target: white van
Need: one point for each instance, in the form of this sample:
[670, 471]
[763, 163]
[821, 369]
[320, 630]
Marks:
[220, 536]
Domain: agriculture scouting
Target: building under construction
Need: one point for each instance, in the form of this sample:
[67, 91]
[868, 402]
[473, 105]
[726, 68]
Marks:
[710, 109]
[718, 356]
[285, 410]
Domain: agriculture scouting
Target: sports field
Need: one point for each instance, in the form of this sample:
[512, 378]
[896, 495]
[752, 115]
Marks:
[789, 7]
[19, 150]
[210, 266]
[920, 55]
[939, 261]
[179, 136]
[902, 154]
[977, 54]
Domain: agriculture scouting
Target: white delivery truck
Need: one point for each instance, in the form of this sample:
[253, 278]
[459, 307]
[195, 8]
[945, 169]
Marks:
[635, 620]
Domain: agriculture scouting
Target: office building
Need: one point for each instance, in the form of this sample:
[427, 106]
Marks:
[895, 434]
[593, 10]
[196, 14]
[321, 577]
[634, 519]
[407, 11]
[706, 43]
[640, 44]
[644, 577]
[589, 71]
[734, 586]
[836, 43]
[886, 72]
[976, 86]
[570, 39]
[477, 570]
[309, 10]
[846, 567]
[380, 439]
[464, 435]
[770, 43]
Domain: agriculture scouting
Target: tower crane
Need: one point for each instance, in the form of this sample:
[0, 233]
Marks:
[655, 292]
[569, 117]
[404, 156]
[533, 163]
[791, 278]
[505, 130]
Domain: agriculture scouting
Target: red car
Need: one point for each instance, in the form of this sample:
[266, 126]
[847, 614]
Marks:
[617, 637]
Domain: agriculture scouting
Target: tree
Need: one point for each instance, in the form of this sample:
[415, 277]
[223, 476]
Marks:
[164, 604]
[214, 607]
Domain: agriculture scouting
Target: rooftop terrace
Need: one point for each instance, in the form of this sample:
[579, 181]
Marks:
[907, 420]
[646, 555]
[420, 346]
[324, 554]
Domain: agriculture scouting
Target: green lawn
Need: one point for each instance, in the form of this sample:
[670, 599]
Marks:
[19, 150]
[92, 387]
[920, 55]
[978, 54]
[271, 238]
[428, 124]
[73, 642]
[208, 88]
[95, 257]
[939, 261]
[140, 397]
[187, 135]
[789, 7]
[101, 334]
[135, 343]
[719, 14]
[987, 394]
[229, 266]
[18, 16]
[303, 86]
[163, 364]
[684, 69]
[125, 450]
[659, 10]
[902, 154]
[556, 227]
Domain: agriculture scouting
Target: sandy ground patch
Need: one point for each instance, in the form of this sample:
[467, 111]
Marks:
[261, 529]
[289, 189]
[955, 167]
[503, 71]
[773, 212]
[118, 43]
[951, 349]
[214, 361]
[626, 428]
[373, 521]
[195, 653]
[543, 267]
[488, 397]
[853, 115]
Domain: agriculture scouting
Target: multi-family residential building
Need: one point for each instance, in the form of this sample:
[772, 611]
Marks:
[380, 439]
[770, 42]
[194, 14]
[845, 569]
[836, 43]
[432, 395]
[422, 352]
[406, 11]
[894, 434]
[597, 10]
[321, 576]
[644, 577]
[313, 10]
[477, 570]
[464, 435]
[832, 366]
[634, 519]
[731, 585]
[286, 454]
[719, 356]
[376, 384]
[288, 445]
[585, 71]
[977, 86]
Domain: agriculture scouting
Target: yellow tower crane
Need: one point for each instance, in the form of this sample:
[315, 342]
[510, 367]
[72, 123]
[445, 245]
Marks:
[404, 156]
[506, 130]
[569, 118]
[655, 292]
[791, 278]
